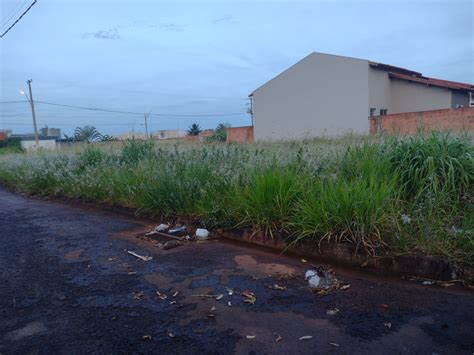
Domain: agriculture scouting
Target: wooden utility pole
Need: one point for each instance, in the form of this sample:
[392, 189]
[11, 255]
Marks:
[146, 125]
[32, 104]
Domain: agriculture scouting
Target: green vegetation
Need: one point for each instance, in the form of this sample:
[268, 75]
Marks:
[401, 195]
[11, 145]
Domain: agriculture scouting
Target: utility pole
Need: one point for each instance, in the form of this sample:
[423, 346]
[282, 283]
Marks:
[33, 111]
[146, 125]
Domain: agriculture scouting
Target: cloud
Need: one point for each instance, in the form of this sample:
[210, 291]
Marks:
[103, 34]
[222, 19]
[173, 27]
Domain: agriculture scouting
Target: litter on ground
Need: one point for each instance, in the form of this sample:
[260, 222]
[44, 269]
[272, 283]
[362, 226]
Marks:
[177, 229]
[332, 312]
[323, 280]
[161, 227]
[202, 233]
[169, 245]
[144, 258]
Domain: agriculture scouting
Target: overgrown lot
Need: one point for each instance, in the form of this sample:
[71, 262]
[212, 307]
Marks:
[401, 195]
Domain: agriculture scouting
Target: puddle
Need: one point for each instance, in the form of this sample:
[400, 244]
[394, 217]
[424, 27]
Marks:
[251, 266]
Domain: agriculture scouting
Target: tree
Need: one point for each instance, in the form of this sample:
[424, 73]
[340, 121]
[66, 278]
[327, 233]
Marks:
[194, 130]
[87, 134]
[220, 133]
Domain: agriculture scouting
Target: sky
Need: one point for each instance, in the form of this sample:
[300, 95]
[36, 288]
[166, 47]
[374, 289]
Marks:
[203, 58]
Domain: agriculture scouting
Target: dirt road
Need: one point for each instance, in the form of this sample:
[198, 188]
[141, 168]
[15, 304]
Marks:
[67, 285]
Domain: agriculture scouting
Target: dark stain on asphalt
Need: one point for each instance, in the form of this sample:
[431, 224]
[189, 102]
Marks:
[68, 285]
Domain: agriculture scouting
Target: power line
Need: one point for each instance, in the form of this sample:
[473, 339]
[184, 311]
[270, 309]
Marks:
[12, 102]
[139, 113]
[13, 14]
[18, 19]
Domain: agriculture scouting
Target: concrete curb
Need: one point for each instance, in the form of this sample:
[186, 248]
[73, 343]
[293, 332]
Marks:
[430, 267]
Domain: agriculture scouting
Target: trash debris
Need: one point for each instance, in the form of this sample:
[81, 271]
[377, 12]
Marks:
[132, 273]
[251, 336]
[334, 344]
[213, 308]
[176, 294]
[229, 304]
[387, 325]
[306, 337]
[202, 233]
[161, 227]
[173, 302]
[230, 291]
[112, 258]
[314, 281]
[162, 296]
[324, 280]
[427, 282]
[249, 297]
[278, 338]
[177, 229]
[304, 260]
[171, 335]
[211, 315]
[219, 297]
[169, 245]
[141, 257]
[189, 238]
[146, 337]
[332, 312]
[138, 295]
[276, 287]
[151, 233]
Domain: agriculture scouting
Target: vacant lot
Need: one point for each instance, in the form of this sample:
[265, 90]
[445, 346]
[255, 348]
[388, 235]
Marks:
[411, 195]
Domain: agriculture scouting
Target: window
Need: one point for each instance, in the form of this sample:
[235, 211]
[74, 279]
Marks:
[471, 99]
[372, 111]
[383, 111]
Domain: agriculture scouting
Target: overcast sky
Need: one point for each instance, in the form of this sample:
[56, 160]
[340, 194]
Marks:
[195, 57]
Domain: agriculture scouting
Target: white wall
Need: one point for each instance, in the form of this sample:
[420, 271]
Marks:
[412, 97]
[320, 95]
[43, 144]
[379, 90]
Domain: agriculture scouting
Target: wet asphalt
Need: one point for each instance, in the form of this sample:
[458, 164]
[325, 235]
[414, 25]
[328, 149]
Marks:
[68, 285]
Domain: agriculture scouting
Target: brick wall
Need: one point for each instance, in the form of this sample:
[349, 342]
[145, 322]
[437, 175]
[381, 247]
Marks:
[3, 136]
[240, 134]
[458, 119]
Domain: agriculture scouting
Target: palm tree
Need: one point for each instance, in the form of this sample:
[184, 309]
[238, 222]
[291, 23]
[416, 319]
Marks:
[194, 130]
[87, 134]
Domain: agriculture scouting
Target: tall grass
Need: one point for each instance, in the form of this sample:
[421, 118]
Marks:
[400, 194]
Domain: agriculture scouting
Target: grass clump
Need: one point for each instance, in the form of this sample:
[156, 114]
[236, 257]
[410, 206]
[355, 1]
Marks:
[403, 195]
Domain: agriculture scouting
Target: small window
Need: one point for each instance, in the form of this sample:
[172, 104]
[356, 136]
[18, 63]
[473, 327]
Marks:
[372, 111]
[383, 111]
[471, 99]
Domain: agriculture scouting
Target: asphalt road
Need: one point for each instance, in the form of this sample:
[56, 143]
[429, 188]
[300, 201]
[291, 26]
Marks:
[67, 285]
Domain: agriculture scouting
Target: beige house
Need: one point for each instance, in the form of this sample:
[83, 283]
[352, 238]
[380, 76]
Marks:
[327, 94]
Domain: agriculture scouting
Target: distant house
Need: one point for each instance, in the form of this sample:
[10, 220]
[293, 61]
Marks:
[327, 94]
[169, 134]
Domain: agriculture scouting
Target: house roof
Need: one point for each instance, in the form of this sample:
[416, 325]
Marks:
[434, 82]
[392, 68]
